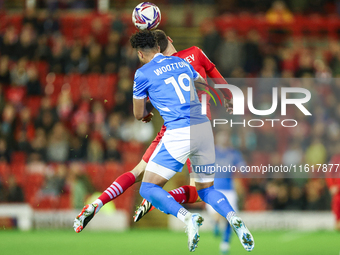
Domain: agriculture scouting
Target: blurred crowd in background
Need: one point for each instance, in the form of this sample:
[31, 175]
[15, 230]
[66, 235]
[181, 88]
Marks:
[60, 135]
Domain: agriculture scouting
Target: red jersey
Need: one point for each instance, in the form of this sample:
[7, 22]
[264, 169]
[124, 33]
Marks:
[201, 63]
[333, 177]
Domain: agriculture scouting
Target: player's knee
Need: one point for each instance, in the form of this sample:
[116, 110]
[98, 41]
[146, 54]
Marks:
[203, 193]
[143, 191]
[146, 190]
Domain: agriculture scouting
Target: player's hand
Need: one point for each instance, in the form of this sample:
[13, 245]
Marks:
[228, 105]
[333, 190]
[148, 118]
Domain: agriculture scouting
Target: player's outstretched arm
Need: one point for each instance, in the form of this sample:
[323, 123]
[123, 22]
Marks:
[217, 78]
[139, 108]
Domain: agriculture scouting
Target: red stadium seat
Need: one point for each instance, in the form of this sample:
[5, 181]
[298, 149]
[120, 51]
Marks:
[108, 85]
[19, 157]
[92, 82]
[315, 25]
[4, 171]
[16, 21]
[32, 184]
[261, 25]
[83, 26]
[33, 103]
[245, 23]
[65, 202]
[226, 22]
[15, 95]
[111, 172]
[95, 172]
[42, 68]
[255, 202]
[333, 26]
[45, 203]
[74, 81]
[55, 86]
[19, 171]
[36, 180]
[67, 26]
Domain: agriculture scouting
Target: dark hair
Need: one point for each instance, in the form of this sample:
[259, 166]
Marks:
[143, 39]
[162, 39]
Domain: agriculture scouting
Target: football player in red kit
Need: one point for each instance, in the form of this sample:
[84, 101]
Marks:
[333, 183]
[184, 194]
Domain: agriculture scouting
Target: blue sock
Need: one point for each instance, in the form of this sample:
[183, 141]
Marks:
[226, 234]
[160, 199]
[217, 200]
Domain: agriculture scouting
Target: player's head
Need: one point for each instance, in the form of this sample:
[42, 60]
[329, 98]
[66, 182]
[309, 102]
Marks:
[145, 43]
[164, 42]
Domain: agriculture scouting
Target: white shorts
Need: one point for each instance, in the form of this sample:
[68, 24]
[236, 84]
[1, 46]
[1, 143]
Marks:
[231, 195]
[195, 142]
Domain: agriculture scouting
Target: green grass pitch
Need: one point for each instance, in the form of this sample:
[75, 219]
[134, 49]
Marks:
[152, 242]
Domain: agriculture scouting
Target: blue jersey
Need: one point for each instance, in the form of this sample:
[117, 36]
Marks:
[226, 157]
[168, 82]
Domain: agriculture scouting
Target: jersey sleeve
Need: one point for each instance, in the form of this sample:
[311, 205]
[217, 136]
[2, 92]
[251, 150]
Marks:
[195, 74]
[140, 86]
[204, 60]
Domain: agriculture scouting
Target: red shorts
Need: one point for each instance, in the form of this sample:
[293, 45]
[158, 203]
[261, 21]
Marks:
[153, 145]
[336, 206]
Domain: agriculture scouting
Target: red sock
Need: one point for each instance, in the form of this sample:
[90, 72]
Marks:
[184, 194]
[117, 188]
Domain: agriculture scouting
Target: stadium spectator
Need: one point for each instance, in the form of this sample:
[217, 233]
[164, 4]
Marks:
[95, 151]
[8, 124]
[55, 181]
[95, 58]
[19, 75]
[253, 56]
[111, 58]
[43, 51]
[98, 31]
[59, 55]
[30, 18]
[8, 42]
[5, 155]
[279, 14]
[229, 53]
[79, 185]
[47, 116]
[211, 39]
[26, 45]
[33, 84]
[14, 191]
[77, 62]
[77, 149]
[5, 77]
[112, 154]
[58, 144]
[38, 146]
[296, 199]
[64, 106]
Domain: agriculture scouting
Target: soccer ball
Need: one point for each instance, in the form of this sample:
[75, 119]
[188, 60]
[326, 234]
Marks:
[146, 16]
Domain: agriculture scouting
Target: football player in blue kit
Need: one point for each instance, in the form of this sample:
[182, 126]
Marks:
[226, 156]
[168, 83]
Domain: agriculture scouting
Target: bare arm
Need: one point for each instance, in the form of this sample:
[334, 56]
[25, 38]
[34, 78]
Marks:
[200, 83]
[139, 108]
